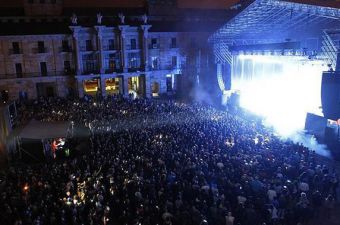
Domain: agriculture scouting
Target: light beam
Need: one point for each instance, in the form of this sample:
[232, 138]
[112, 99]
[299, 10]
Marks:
[282, 89]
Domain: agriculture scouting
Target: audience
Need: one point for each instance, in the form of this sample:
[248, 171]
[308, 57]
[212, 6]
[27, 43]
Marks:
[154, 162]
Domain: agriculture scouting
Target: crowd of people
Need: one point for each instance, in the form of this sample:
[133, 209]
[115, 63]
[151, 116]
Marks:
[168, 163]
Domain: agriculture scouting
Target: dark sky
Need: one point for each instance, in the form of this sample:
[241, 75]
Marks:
[129, 3]
[140, 3]
[206, 3]
[134, 3]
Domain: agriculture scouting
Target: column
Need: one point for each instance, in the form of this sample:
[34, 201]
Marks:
[148, 85]
[125, 81]
[121, 84]
[99, 30]
[103, 86]
[123, 53]
[145, 49]
[80, 88]
[77, 55]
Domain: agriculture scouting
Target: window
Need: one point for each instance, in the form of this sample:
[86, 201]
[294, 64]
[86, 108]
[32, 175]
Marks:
[169, 83]
[43, 69]
[154, 61]
[154, 43]
[65, 46]
[111, 44]
[18, 70]
[133, 43]
[174, 61]
[90, 67]
[16, 49]
[134, 60]
[155, 89]
[90, 64]
[89, 45]
[41, 47]
[67, 66]
[112, 64]
[173, 43]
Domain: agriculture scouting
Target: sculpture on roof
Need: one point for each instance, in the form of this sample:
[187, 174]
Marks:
[121, 17]
[74, 19]
[99, 18]
[145, 18]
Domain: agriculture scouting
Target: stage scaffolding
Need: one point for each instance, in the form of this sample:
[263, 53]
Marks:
[278, 21]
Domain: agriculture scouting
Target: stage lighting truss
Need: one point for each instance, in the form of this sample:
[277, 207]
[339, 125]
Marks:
[262, 17]
[331, 46]
[272, 21]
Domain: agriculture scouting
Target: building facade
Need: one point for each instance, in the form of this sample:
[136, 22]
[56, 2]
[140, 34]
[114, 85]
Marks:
[46, 50]
[111, 60]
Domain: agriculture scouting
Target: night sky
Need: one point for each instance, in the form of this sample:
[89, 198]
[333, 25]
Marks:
[140, 3]
[129, 3]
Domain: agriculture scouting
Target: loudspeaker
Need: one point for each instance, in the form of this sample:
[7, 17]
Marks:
[338, 62]
[330, 95]
[316, 125]
[332, 134]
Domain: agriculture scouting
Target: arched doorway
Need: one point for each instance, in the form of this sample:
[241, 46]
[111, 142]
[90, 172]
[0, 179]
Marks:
[91, 86]
[155, 88]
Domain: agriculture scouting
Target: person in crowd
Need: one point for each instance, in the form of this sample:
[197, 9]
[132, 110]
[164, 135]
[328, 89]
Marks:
[229, 219]
[166, 163]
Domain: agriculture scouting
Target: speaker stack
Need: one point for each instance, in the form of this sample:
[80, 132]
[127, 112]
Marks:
[330, 95]
[330, 98]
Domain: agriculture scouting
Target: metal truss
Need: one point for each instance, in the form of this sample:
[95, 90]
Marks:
[275, 21]
[262, 17]
[331, 46]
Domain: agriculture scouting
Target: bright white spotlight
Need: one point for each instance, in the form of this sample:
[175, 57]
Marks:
[281, 89]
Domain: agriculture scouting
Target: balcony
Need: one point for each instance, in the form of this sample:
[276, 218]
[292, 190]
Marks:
[134, 69]
[154, 46]
[166, 67]
[14, 51]
[37, 74]
[151, 68]
[113, 70]
[39, 50]
[109, 48]
[87, 48]
[132, 47]
[88, 72]
[66, 49]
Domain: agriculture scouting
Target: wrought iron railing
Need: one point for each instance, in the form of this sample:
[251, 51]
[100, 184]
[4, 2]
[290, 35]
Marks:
[36, 74]
[40, 50]
[14, 51]
[66, 49]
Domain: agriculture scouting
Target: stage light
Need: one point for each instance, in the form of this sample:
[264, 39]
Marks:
[282, 89]
[26, 188]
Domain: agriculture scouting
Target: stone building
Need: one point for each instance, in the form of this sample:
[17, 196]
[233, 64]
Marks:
[47, 50]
